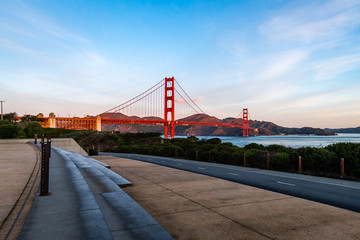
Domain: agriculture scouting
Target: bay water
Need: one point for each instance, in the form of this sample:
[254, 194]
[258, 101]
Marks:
[294, 141]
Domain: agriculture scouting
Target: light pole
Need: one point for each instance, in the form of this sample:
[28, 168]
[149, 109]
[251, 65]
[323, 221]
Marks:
[2, 110]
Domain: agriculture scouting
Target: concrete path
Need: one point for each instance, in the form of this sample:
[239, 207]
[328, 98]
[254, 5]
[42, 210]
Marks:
[194, 206]
[86, 203]
[18, 165]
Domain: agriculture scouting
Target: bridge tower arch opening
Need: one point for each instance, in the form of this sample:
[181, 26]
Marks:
[169, 109]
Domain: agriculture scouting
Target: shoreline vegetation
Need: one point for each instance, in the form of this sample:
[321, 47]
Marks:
[315, 161]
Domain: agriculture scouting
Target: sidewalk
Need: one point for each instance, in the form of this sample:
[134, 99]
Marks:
[194, 206]
[18, 163]
[86, 204]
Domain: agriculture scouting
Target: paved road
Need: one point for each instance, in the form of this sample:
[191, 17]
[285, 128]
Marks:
[335, 192]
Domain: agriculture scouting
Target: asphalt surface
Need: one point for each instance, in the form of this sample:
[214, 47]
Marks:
[334, 192]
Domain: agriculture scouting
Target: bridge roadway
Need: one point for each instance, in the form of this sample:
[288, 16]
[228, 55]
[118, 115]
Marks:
[162, 122]
[334, 192]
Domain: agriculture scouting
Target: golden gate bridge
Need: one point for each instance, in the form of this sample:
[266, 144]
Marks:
[155, 106]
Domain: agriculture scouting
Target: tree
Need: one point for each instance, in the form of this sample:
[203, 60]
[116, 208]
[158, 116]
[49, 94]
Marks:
[33, 128]
[10, 116]
[8, 130]
[29, 119]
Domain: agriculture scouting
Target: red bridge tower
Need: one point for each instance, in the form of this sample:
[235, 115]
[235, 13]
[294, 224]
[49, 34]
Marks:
[169, 126]
[245, 123]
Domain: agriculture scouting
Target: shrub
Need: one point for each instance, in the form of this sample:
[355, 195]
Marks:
[255, 146]
[351, 153]
[318, 160]
[281, 161]
[33, 128]
[276, 148]
[213, 141]
[8, 131]
[93, 151]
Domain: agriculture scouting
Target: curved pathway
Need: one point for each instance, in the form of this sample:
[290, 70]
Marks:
[19, 164]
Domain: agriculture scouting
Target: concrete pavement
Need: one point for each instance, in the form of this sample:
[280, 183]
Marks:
[68, 144]
[187, 205]
[194, 206]
[87, 203]
[18, 168]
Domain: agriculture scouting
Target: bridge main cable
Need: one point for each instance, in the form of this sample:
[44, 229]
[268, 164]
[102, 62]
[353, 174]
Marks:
[132, 101]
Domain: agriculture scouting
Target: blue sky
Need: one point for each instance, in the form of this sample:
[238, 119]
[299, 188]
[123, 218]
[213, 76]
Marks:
[295, 63]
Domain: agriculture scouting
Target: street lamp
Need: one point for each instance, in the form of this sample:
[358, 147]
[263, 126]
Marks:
[2, 110]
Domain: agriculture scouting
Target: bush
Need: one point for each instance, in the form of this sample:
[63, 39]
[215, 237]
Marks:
[255, 146]
[318, 160]
[213, 141]
[281, 161]
[237, 157]
[93, 151]
[8, 131]
[250, 157]
[276, 148]
[33, 128]
[351, 154]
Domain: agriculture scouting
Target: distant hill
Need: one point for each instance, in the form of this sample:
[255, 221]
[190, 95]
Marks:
[263, 128]
[343, 130]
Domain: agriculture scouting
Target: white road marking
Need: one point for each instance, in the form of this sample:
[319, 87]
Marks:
[201, 168]
[307, 180]
[179, 164]
[289, 184]
[235, 174]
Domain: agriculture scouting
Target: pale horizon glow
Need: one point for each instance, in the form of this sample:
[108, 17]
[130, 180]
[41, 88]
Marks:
[293, 63]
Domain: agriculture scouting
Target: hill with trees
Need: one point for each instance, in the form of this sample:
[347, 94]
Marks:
[343, 130]
[263, 127]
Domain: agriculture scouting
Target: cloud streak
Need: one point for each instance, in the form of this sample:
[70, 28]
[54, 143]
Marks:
[317, 21]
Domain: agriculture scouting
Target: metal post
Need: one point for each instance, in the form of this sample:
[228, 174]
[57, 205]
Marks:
[49, 147]
[44, 182]
[35, 138]
[342, 168]
[2, 113]
[268, 161]
[300, 166]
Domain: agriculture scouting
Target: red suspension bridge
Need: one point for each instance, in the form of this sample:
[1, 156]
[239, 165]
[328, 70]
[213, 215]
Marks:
[155, 106]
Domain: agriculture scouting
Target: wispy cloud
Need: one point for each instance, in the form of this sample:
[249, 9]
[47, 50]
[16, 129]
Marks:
[180, 100]
[8, 44]
[313, 22]
[198, 99]
[332, 68]
[43, 23]
[281, 64]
